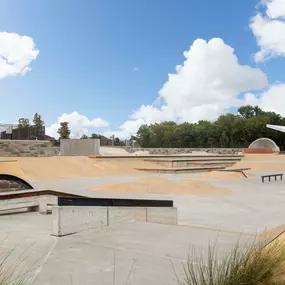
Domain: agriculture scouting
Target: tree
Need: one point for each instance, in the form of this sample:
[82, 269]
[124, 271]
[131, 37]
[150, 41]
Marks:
[64, 131]
[143, 136]
[37, 120]
[95, 136]
[39, 125]
[117, 141]
[246, 111]
[84, 137]
[23, 123]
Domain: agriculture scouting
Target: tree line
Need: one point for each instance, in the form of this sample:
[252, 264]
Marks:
[229, 130]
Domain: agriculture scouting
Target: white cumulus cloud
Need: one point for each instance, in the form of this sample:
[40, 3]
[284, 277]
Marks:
[203, 87]
[78, 124]
[269, 30]
[16, 54]
[272, 100]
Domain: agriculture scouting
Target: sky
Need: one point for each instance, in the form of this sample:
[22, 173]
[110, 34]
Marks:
[109, 66]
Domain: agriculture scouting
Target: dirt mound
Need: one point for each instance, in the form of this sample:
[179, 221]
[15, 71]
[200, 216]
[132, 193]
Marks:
[59, 167]
[163, 186]
[223, 175]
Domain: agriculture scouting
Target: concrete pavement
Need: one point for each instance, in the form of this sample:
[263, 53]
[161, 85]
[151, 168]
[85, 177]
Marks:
[138, 251]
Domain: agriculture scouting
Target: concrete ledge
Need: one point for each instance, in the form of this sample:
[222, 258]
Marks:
[117, 215]
[180, 169]
[70, 220]
[73, 219]
[162, 215]
[33, 203]
[31, 206]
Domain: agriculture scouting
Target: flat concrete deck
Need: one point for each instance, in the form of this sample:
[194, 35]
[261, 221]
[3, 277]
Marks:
[140, 250]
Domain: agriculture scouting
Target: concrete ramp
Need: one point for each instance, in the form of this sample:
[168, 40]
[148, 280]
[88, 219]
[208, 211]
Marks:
[12, 177]
[113, 151]
[13, 183]
[12, 167]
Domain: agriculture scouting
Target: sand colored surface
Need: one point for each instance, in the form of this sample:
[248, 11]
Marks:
[263, 162]
[255, 165]
[254, 157]
[163, 186]
[274, 232]
[12, 168]
[223, 175]
[59, 167]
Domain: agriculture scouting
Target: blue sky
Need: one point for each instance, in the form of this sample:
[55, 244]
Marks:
[88, 51]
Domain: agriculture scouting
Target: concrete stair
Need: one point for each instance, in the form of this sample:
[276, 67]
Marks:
[180, 169]
[189, 164]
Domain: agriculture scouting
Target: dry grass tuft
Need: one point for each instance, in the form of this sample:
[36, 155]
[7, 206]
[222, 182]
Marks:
[13, 267]
[257, 263]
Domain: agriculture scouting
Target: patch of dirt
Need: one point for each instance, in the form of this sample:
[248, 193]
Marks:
[60, 167]
[164, 186]
[261, 165]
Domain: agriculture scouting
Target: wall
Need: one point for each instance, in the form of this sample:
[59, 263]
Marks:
[171, 151]
[79, 147]
[256, 150]
[73, 219]
[26, 148]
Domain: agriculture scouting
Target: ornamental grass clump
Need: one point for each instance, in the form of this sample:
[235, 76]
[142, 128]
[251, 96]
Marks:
[256, 263]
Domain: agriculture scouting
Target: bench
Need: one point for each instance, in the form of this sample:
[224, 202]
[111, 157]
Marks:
[272, 175]
[32, 206]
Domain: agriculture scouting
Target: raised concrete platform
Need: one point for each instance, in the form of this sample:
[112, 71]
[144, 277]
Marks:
[163, 156]
[180, 169]
[214, 162]
[184, 162]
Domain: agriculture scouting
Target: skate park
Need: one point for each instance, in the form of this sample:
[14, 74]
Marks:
[94, 211]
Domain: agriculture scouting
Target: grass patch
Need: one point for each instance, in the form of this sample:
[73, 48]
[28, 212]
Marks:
[14, 268]
[256, 263]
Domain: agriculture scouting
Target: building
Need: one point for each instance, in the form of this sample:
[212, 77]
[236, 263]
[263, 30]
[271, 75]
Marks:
[105, 141]
[22, 133]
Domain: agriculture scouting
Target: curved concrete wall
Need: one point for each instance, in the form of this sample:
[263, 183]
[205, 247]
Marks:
[265, 143]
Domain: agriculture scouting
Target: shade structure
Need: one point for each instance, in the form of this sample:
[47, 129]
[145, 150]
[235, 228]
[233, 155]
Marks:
[277, 128]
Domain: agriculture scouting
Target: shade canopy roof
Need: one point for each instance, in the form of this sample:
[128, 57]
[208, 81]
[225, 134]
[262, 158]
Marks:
[277, 128]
